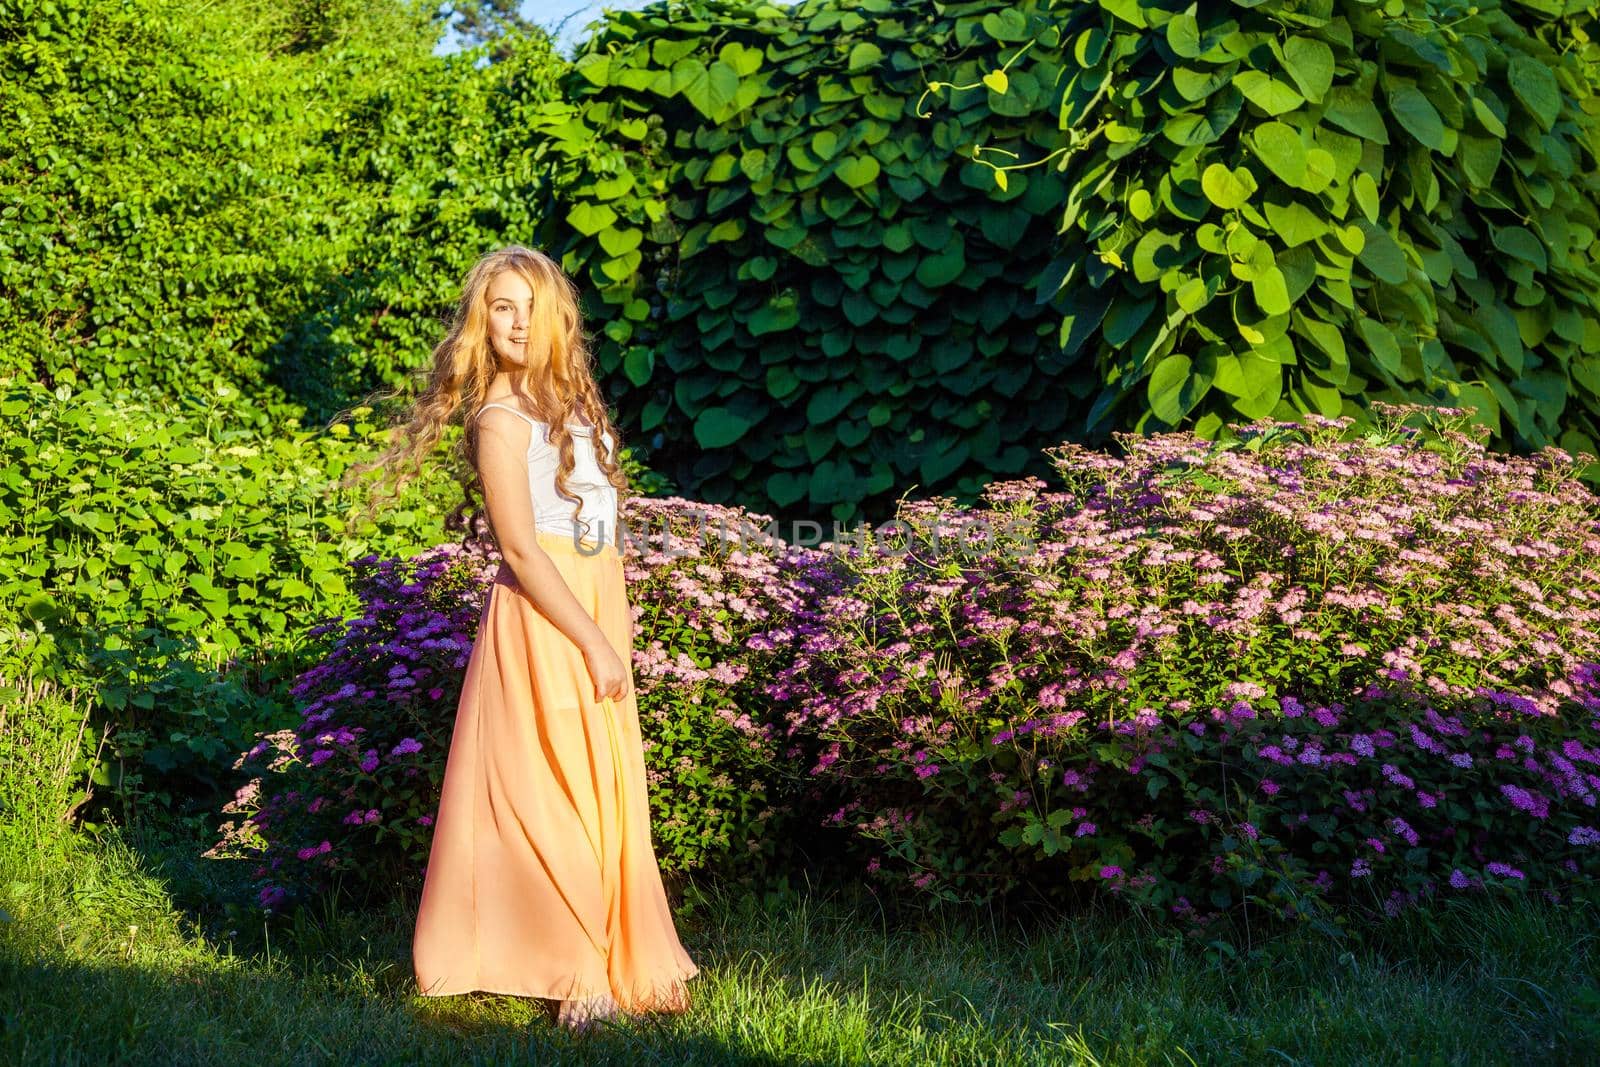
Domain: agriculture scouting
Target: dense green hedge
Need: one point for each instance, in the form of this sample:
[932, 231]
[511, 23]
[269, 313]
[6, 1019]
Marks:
[826, 268]
[1305, 207]
[1262, 208]
[278, 196]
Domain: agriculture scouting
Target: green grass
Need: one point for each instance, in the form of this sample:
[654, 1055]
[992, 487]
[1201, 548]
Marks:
[118, 952]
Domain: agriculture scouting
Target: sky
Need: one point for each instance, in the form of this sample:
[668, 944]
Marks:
[551, 13]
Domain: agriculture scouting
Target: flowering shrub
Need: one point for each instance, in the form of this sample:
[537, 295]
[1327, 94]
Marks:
[354, 788]
[1290, 668]
[1295, 670]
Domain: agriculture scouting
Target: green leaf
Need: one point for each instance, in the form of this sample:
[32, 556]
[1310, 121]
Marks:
[1183, 35]
[1381, 345]
[1192, 295]
[1294, 223]
[1534, 84]
[1416, 113]
[1254, 383]
[1486, 116]
[1195, 85]
[1266, 92]
[1366, 191]
[1310, 63]
[1519, 241]
[1328, 339]
[1196, 128]
[709, 88]
[1350, 109]
[1124, 320]
[1155, 253]
[1007, 24]
[589, 219]
[1479, 158]
[786, 488]
[864, 56]
[1174, 388]
[719, 427]
[857, 171]
[1279, 146]
[1227, 188]
[639, 364]
[1381, 255]
[1270, 291]
[1322, 170]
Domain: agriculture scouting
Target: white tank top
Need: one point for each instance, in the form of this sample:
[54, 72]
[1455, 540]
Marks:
[597, 519]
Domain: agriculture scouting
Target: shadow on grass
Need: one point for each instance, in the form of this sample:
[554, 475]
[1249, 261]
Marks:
[109, 1012]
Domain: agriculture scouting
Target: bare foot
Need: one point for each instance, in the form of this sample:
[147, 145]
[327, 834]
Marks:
[583, 1015]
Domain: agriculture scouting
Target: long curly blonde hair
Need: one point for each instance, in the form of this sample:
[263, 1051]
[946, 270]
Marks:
[555, 391]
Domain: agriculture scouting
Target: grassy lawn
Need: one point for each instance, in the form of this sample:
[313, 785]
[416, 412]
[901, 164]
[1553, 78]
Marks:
[816, 977]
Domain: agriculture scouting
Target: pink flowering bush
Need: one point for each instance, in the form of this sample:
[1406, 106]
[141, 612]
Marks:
[1296, 669]
[352, 791]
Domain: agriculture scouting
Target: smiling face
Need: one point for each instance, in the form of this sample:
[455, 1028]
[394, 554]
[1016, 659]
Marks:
[510, 301]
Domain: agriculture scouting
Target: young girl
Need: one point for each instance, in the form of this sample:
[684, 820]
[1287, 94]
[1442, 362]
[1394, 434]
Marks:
[542, 880]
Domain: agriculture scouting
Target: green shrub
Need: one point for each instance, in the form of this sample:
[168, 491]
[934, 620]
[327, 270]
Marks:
[166, 560]
[1246, 210]
[1286, 207]
[282, 197]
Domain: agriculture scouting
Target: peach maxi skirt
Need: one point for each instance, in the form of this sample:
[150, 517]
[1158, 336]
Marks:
[542, 879]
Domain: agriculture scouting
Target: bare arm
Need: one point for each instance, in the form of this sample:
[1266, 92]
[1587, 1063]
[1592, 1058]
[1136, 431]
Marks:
[502, 465]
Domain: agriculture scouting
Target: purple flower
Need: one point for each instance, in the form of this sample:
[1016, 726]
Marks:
[1522, 800]
[1459, 880]
[406, 745]
[1110, 871]
[1360, 869]
[1584, 835]
[1504, 870]
[1395, 776]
